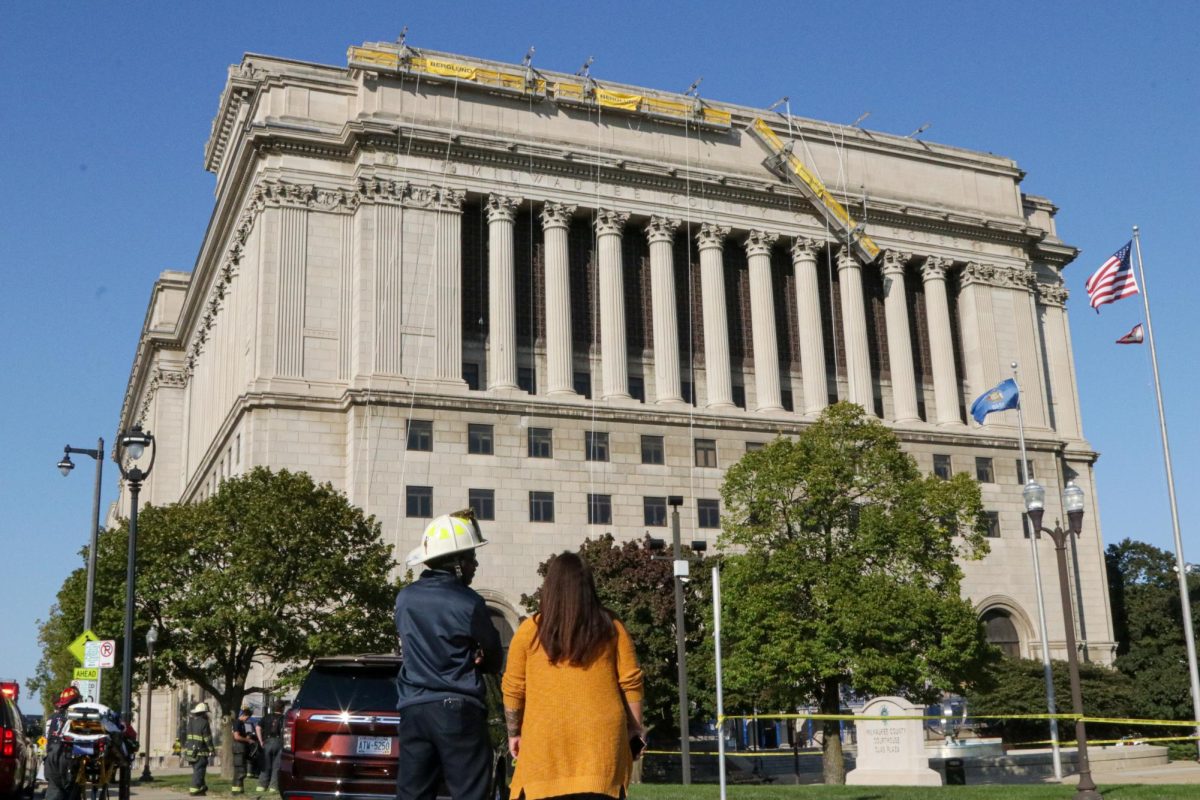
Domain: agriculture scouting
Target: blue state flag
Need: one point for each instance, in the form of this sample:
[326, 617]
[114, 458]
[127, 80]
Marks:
[1003, 396]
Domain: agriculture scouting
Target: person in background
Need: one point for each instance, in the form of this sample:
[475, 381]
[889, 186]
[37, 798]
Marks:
[448, 642]
[243, 746]
[60, 782]
[270, 736]
[198, 748]
[572, 693]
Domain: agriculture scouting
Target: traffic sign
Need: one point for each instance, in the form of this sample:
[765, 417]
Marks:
[108, 653]
[88, 690]
[91, 655]
[75, 648]
[85, 674]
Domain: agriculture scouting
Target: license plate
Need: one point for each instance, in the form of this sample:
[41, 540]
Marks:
[374, 746]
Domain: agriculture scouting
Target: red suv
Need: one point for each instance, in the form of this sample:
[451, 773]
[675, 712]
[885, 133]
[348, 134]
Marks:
[341, 739]
[18, 756]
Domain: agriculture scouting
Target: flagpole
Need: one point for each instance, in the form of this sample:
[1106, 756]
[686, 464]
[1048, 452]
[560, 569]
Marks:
[716, 601]
[1180, 564]
[1047, 670]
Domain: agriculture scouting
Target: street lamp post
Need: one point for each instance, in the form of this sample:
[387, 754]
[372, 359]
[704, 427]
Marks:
[65, 466]
[151, 638]
[1035, 505]
[131, 446]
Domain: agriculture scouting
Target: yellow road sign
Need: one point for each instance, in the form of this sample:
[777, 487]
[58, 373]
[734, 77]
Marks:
[76, 647]
[87, 674]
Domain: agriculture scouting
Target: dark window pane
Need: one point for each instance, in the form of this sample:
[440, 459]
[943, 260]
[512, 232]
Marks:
[420, 434]
[599, 509]
[654, 509]
[686, 389]
[787, 401]
[708, 513]
[637, 388]
[595, 446]
[541, 443]
[652, 450]
[527, 379]
[999, 629]
[983, 470]
[470, 374]
[739, 396]
[942, 467]
[419, 501]
[992, 518]
[706, 453]
[479, 439]
[754, 447]
[351, 687]
[1030, 473]
[541, 506]
[583, 384]
[482, 502]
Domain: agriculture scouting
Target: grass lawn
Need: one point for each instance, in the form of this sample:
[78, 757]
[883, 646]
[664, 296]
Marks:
[994, 792]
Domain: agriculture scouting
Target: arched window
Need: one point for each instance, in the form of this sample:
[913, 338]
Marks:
[1000, 631]
[500, 621]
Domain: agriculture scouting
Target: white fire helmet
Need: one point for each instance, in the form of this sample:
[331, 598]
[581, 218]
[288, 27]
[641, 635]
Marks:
[446, 535]
[201, 708]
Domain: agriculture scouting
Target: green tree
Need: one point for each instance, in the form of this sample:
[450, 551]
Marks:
[1148, 623]
[271, 567]
[842, 573]
[640, 590]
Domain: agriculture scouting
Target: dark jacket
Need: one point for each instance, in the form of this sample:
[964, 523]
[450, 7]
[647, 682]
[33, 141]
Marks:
[199, 742]
[442, 625]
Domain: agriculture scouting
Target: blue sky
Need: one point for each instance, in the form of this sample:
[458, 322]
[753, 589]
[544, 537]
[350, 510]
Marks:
[106, 109]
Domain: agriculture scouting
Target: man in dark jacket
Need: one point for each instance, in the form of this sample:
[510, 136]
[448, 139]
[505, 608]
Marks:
[448, 642]
[270, 736]
[244, 745]
[198, 748]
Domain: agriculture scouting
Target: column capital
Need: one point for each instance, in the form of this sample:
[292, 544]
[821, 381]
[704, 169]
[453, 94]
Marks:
[805, 248]
[711, 236]
[611, 223]
[934, 268]
[1051, 294]
[661, 229]
[501, 208]
[846, 260]
[440, 198]
[557, 215]
[894, 263]
[758, 243]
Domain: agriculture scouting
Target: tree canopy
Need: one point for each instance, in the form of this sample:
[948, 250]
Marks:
[842, 573]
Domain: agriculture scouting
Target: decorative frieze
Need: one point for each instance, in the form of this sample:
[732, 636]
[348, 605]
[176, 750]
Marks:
[994, 275]
[1052, 294]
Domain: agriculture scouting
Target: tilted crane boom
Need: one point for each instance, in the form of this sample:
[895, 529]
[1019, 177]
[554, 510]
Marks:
[786, 165]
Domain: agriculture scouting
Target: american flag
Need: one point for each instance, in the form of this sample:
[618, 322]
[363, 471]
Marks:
[1114, 280]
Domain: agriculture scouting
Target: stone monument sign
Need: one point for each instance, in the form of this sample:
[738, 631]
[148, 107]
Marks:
[891, 752]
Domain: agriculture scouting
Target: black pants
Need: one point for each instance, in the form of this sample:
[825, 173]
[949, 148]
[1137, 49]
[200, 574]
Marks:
[268, 778]
[199, 770]
[444, 739]
[241, 765]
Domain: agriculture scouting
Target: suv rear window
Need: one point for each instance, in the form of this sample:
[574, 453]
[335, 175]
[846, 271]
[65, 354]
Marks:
[350, 687]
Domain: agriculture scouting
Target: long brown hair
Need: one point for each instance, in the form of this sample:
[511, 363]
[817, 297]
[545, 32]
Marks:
[572, 624]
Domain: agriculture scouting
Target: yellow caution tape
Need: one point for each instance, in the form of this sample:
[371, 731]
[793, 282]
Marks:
[1072, 717]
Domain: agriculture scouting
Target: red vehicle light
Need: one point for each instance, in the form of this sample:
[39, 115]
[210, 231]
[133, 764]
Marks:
[11, 690]
[8, 743]
[289, 725]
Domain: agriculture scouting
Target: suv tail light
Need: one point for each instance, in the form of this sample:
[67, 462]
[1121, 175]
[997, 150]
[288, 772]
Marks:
[8, 744]
[289, 725]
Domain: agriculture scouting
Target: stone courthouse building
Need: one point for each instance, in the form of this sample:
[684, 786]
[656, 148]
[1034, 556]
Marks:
[438, 281]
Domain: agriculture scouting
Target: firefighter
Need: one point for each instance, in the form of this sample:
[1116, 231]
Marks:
[198, 748]
[243, 749]
[448, 642]
[59, 764]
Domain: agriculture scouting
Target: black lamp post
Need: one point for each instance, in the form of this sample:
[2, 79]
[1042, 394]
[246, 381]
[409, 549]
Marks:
[151, 638]
[1035, 505]
[131, 447]
[65, 466]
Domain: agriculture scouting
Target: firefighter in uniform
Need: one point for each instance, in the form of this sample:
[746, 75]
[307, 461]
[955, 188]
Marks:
[60, 780]
[243, 750]
[448, 642]
[198, 748]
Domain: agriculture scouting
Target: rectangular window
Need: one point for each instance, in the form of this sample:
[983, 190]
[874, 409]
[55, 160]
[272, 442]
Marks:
[708, 513]
[479, 439]
[754, 447]
[983, 470]
[1030, 474]
[527, 379]
[786, 400]
[482, 502]
[583, 384]
[470, 374]
[599, 509]
[654, 511]
[637, 388]
[652, 450]
[541, 443]
[739, 396]
[706, 452]
[686, 390]
[420, 435]
[419, 501]
[595, 445]
[541, 506]
[942, 467]
[992, 520]
[238, 442]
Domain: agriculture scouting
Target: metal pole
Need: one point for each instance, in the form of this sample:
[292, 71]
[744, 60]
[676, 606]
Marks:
[94, 538]
[680, 569]
[716, 601]
[1087, 787]
[1189, 636]
[146, 776]
[127, 648]
[1047, 670]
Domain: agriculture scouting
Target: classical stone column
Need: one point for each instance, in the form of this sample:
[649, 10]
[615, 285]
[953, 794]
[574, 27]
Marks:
[941, 345]
[854, 331]
[502, 308]
[900, 357]
[610, 226]
[808, 312]
[710, 241]
[762, 318]
[447, 255]
[556, 221]
[661, 234]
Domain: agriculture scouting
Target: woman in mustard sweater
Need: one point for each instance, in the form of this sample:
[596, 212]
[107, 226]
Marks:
[572, 692]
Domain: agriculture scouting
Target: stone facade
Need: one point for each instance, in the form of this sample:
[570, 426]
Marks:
[392, 247]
